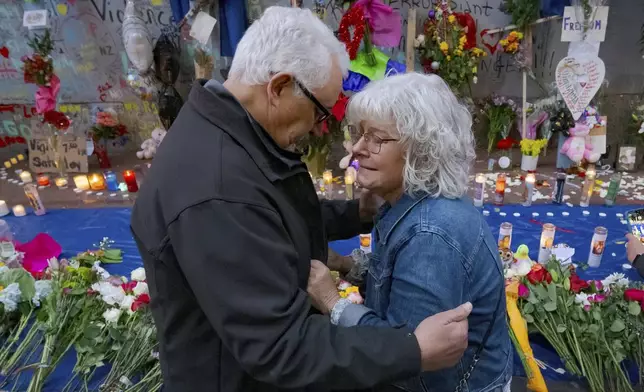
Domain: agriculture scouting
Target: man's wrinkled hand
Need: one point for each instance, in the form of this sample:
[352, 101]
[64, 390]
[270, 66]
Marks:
[443, 338]
[322, 288]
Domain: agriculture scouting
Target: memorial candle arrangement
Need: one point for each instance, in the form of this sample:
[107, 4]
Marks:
[4, 210]
[597, 246]
[34, 199]
[589, 184]
[479, 190]
[613, 188]
[96, 182]
[327, 180]
[111, 181]
[26, 177]
[130, 181]
[558, 191]
[81, 182]
[529, 189]
[349, 180]
[505, 236]
[499, 193]
[547, 240]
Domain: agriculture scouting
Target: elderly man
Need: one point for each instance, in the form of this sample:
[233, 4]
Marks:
[228, 222]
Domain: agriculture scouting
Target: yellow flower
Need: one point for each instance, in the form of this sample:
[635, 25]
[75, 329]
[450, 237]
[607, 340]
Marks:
[444, 47]
[342, 294]
[458, 52]
[1, 288]
[449, 58]
[452, 19]
[520, 35]
[513, 34]
[474, 70]
[462, 41]
[351, 289]
[504, 42]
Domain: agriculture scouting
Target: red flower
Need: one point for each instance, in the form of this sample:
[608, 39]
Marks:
[129, 286]
[140, 301]
[121, 130]
[340, 107]
[505, 144]
[577, 284]
[539, 274]
[634, 295]
[57, 119]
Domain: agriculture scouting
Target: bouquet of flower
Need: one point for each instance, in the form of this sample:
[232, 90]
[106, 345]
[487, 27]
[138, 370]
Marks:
[501, 113]
[39, 68]
[532, 147]
[635, 127]
[446, 49]
[510, 44]
[346, 289]
[107, 126]
[104, 254]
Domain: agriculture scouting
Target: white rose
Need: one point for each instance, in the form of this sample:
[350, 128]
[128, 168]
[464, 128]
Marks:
[110, 294]
[138, 274]
[100, 271]
[112, 315]
[140, 288]
[420, 40]
[127, 302]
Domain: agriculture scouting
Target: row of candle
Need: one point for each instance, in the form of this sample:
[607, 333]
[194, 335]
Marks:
[14, 161]
[18, 209]
[557, 194]
[97, 181]
[349, 181]
[597, 244]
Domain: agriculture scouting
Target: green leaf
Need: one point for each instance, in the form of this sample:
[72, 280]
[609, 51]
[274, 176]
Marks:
[25, 281]
[528, 308]
[593, 329]
[92, 331]
[597, 314]
[555, 276]
[617, 326]
[532, 298]
[112, 256]
[561, 328]
[528, 318]
[552, 292]
[634, 308]
[115, 334]
[550, 306]
[78, 291]
[540, 291]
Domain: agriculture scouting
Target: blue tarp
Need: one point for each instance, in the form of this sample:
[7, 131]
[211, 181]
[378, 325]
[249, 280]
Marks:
[78, 229]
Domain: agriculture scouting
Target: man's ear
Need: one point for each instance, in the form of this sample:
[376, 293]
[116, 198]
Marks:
[279, 84]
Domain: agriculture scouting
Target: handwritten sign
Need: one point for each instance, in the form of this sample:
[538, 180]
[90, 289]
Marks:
[36, 19]
[572, 25]
[42, 158]
[578, 81]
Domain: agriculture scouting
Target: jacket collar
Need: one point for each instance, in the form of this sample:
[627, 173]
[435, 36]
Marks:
[389, 216]
[211, 100]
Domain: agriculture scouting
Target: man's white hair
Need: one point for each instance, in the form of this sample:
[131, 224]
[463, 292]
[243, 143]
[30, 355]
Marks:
[435, 130]
[290, 40]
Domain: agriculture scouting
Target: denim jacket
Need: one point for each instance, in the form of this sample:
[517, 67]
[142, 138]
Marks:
[431, 255]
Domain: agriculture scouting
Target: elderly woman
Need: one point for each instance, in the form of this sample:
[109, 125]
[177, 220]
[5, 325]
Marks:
[432, 250]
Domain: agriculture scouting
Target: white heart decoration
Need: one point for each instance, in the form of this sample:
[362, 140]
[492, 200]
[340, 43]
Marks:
[578, 81]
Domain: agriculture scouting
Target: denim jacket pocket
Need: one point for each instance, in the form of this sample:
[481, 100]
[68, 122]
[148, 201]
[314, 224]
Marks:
[378, 288]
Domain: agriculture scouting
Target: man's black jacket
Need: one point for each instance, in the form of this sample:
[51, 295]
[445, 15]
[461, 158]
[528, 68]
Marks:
[227, 223]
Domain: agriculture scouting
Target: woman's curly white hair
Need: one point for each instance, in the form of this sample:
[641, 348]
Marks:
[435, 130]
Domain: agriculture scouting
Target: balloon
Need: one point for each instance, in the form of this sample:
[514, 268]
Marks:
[504, 162]
[166, 60]
[170, 103]
[136, 38]
[145, 86]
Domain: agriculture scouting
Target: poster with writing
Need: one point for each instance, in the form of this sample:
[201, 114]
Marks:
[572, 25]
[578, 80]
[42, 157]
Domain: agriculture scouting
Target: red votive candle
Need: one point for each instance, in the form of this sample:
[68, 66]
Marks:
[130, 181]
[43, 179]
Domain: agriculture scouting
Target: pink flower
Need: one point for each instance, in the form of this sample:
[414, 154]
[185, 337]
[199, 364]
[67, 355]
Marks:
[598, 298]
[105, 119]
[524, 291]
[587, 308]
[598, 285]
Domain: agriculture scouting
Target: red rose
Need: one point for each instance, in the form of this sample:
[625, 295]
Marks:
[129, 286]
[140, 301]
[577, 284]
[539, 274]
[505, 144]
[634, 295]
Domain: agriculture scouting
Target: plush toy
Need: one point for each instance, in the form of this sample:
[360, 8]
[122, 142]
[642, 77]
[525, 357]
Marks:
[149, 146]
[578, 146]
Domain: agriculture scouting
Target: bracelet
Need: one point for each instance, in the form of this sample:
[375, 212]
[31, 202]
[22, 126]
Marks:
[337, 310]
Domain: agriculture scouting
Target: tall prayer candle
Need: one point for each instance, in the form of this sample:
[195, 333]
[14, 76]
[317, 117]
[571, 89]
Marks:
[597, 245]
[589, 184]
[529, 189]
[479, 190]
[349, 179]
[547, 240]
[365, 243]
[25, 177]
[327, 178]
[4, 210]
[96, 182]
[505, 236]
[31, 191]
[499, 193]
[130, 181]
[560, 185]
[81, 182]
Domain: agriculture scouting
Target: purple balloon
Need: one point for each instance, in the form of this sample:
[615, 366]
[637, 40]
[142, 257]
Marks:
[431, 14]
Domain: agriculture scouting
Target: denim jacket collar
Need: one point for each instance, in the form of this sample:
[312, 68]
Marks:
[389, 216]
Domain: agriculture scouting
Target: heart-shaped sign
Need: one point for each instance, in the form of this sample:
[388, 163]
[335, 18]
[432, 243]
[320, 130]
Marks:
[491, 47]
[578, 80]
[4, 52]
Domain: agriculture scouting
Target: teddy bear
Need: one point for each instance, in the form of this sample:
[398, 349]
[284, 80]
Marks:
[578, 146]
[149, 146]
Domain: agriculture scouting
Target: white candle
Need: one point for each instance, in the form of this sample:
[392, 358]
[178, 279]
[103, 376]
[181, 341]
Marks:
[25, 177]
[349, 179]
[479, 190]
[529, 189]
[19, 210]
[4, 210]
[597, 245]
[547, 240]
[20, 157]
[81, 182]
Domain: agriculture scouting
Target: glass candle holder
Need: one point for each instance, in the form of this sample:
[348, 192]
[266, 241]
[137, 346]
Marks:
[130, 181]
[26, 177]
[613, 188]
[349, 180]
[505, 236]
[529, 189]
[111, 181]
[61, 182]
[19, 210]
[558, 191]
[43, 179]
[4, 209]
[479, 190]
[31, 191]
[365, 243]
[96, 182]
[597, 246]
[547, 240]
[7, 164]
[81, 182]
[14, 161]
[20, 157]
[327, 180]
[499, 192]
[589, 184]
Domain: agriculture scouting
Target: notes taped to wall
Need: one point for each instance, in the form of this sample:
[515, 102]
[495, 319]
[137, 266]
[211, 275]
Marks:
[42, 157]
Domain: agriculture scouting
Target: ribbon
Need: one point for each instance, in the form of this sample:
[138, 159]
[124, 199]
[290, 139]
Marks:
[384, 22]
[46, 96]
[467, 22]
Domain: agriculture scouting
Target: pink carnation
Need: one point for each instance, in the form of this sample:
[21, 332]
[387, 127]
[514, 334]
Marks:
[105, 119]
[524, 291]
[356, 298]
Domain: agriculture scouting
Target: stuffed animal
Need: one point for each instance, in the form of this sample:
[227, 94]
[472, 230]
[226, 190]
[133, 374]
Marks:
[578, 146]
[149, 146]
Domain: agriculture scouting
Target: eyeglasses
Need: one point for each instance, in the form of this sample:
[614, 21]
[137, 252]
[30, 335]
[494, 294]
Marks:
[322, 112]
[374, 143]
